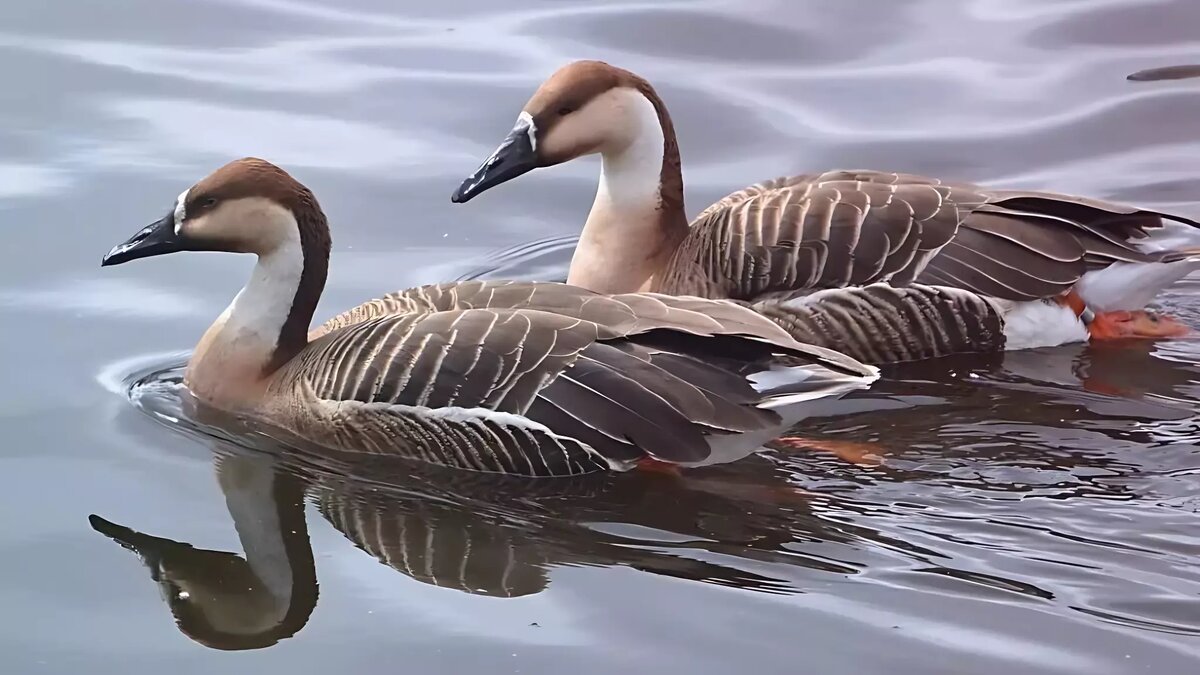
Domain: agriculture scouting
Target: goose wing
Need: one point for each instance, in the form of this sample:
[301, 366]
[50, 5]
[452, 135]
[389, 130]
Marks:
[534, 392]
[818, 231]
[614, 315]
[848, 228]
[1022, 245]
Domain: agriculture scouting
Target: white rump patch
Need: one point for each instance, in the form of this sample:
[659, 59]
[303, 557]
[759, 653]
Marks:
[1038, 323]
[779, 376]
[1131, 286]
[1172, 236]
[791, 408]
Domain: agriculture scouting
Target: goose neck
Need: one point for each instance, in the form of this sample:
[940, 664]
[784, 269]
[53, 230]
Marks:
[267, 323]
[637, 219]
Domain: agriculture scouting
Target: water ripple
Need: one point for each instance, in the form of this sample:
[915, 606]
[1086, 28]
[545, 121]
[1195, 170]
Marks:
[1036, 509]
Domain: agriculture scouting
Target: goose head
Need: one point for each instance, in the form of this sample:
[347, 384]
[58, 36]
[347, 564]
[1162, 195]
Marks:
[247, 206]
[586, 107]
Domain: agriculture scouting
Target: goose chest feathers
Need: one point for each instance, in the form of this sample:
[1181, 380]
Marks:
[906, 266]
[542, 379]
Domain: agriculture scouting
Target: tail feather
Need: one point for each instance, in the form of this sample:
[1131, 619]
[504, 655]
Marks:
[786, 385]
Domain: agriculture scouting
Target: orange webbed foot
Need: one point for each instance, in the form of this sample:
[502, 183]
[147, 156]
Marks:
[1140, 324]
[854, 452]
[657, 466]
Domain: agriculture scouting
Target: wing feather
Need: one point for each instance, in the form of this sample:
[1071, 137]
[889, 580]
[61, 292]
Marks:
[564, 381]
[843, 228]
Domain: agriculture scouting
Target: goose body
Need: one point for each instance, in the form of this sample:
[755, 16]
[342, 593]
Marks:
[1079, 268]
[528, 378]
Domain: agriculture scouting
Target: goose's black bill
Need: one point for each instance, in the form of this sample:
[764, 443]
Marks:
[158, 238]
[514, 157]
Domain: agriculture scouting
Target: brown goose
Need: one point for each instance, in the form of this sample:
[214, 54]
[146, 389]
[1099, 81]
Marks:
[1042, 268]
[539, 379]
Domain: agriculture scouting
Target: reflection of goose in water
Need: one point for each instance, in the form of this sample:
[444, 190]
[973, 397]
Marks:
[229, 602]
[1027, 417]
[483, 534]
[1129, 371]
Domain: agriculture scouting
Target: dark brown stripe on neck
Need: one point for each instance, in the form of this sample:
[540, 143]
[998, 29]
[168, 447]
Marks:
[314, 246]
[671, 213]
[671, 177]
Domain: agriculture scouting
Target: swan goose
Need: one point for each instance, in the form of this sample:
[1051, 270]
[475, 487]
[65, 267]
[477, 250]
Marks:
[904, 266]
[529, 378]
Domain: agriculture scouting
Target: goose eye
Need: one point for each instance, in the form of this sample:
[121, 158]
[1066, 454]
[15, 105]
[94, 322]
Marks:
[208, 202]
[565, 110]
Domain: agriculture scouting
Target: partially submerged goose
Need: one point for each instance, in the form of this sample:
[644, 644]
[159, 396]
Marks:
[1041, 268]
[529, 378]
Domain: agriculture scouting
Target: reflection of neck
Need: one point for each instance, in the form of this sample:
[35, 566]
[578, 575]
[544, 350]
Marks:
[220, 599]
[249, 487]
[273, 593]
[637, 219]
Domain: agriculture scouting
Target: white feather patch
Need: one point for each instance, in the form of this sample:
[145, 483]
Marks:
[1130, 286]
[530, 128]
[1037, 323]
[461, 415]
[829, 383]
[181, 209]
[1172, 236]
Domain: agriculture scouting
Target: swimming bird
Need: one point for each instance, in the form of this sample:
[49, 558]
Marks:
[900, 266]
[541, 379]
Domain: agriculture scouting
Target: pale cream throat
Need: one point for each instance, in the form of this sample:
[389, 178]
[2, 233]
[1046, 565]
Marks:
[621, 244]
[240, 343]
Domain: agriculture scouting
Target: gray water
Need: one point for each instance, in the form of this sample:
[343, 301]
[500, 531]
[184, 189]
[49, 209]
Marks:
[1035, 513]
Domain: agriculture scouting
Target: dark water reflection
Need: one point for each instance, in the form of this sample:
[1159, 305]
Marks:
[1036, 512]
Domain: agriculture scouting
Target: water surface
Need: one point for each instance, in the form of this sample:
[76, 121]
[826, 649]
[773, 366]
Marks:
[1033, 513]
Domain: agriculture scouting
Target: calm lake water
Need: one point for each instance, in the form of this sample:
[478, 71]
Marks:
[1035, 513]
